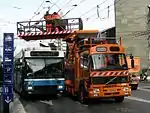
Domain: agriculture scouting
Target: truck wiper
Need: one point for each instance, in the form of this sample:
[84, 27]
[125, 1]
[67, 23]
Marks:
[111, 80]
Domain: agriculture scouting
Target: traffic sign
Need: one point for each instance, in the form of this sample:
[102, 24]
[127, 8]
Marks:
[8, 49]
[7, 79]
[8, 98]
[8, 69]
[7, 89]
[8, 53]
[8, 58]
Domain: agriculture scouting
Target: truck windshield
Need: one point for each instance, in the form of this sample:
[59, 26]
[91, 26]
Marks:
[109, 61]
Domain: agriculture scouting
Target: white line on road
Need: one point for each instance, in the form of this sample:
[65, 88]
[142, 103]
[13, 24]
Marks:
[142, 89]
[50, 102]
[138, 99]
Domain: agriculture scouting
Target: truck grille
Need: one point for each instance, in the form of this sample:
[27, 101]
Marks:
[104, 80]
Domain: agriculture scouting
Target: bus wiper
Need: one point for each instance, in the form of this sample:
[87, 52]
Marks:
[111, 80]
[31, 64]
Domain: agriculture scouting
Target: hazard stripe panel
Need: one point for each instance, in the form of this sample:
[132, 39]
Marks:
[109, 73]
[45, 33]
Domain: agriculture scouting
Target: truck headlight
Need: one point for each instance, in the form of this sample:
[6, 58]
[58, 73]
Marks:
[96, 90]
[60, 87]
[125, 89]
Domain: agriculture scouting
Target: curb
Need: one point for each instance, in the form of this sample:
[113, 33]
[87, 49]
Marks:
[16, 106]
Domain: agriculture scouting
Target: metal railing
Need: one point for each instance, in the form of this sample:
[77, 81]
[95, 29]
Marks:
[40, 25]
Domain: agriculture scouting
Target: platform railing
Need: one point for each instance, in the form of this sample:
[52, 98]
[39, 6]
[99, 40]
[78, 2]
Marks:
[40, 26]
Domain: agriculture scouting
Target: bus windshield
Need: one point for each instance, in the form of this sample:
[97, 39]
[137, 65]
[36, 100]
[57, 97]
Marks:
[46, 68]
[108, 61]
[38, 64]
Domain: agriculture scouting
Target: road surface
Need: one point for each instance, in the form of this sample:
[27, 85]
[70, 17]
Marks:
[139, 102]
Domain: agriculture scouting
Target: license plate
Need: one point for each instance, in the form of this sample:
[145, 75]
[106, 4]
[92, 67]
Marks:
[112, 90]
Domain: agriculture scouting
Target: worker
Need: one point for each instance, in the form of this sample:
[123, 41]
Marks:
[111, 60]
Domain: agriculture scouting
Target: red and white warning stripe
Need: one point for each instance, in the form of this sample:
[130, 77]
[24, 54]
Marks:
[46, 33]
[109, 73]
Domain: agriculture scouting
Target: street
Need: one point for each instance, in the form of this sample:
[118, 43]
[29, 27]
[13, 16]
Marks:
[139, 102]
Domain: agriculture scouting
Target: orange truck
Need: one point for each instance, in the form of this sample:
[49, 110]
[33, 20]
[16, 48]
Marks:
[134, 80]
[96, 68]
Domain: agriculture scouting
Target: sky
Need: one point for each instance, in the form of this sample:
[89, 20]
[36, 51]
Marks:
[12, 11]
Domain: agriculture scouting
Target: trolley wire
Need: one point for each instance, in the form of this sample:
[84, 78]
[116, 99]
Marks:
[73, 8]
[110, 6]
[93, 8]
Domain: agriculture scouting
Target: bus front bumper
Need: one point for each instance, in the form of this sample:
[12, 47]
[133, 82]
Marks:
[44, 90]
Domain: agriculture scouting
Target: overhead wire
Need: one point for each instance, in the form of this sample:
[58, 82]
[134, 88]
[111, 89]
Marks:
[110, 6]
[73, 8]
[93, 8]
[54, 4]
[65, 5]
[35, 13]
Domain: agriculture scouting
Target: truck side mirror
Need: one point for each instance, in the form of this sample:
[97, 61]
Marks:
[132, 63]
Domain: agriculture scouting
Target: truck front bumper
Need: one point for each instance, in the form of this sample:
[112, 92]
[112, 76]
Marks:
[109, 92]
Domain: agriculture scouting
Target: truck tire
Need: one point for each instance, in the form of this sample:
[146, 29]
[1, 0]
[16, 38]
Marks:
[119, 99]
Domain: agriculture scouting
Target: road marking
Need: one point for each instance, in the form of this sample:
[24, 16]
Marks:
[77, 102]
[138, 99]
[48, 102]
[142, 89]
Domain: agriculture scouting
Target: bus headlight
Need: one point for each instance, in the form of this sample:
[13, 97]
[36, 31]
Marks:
[60, 87]
[30, 88]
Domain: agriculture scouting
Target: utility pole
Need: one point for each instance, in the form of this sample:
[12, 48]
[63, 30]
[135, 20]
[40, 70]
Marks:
[148, 30]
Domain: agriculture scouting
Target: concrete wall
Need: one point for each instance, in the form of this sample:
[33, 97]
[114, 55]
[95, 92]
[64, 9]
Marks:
[131, 17]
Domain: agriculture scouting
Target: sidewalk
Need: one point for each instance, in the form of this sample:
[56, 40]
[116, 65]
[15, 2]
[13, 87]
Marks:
[16, 106]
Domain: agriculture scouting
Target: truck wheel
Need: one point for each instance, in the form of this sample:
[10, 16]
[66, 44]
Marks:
[119, 99]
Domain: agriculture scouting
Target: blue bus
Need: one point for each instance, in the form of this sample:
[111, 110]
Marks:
[39, 72]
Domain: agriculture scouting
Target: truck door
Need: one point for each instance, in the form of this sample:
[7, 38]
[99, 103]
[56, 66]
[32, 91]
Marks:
[85, 68]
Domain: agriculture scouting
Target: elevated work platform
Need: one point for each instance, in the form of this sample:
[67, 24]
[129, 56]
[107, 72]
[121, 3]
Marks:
[48, 29]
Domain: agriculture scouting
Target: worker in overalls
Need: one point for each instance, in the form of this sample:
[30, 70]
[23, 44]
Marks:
[53, 22]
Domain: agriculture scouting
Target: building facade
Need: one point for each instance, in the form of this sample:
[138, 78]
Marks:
[131, 24]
